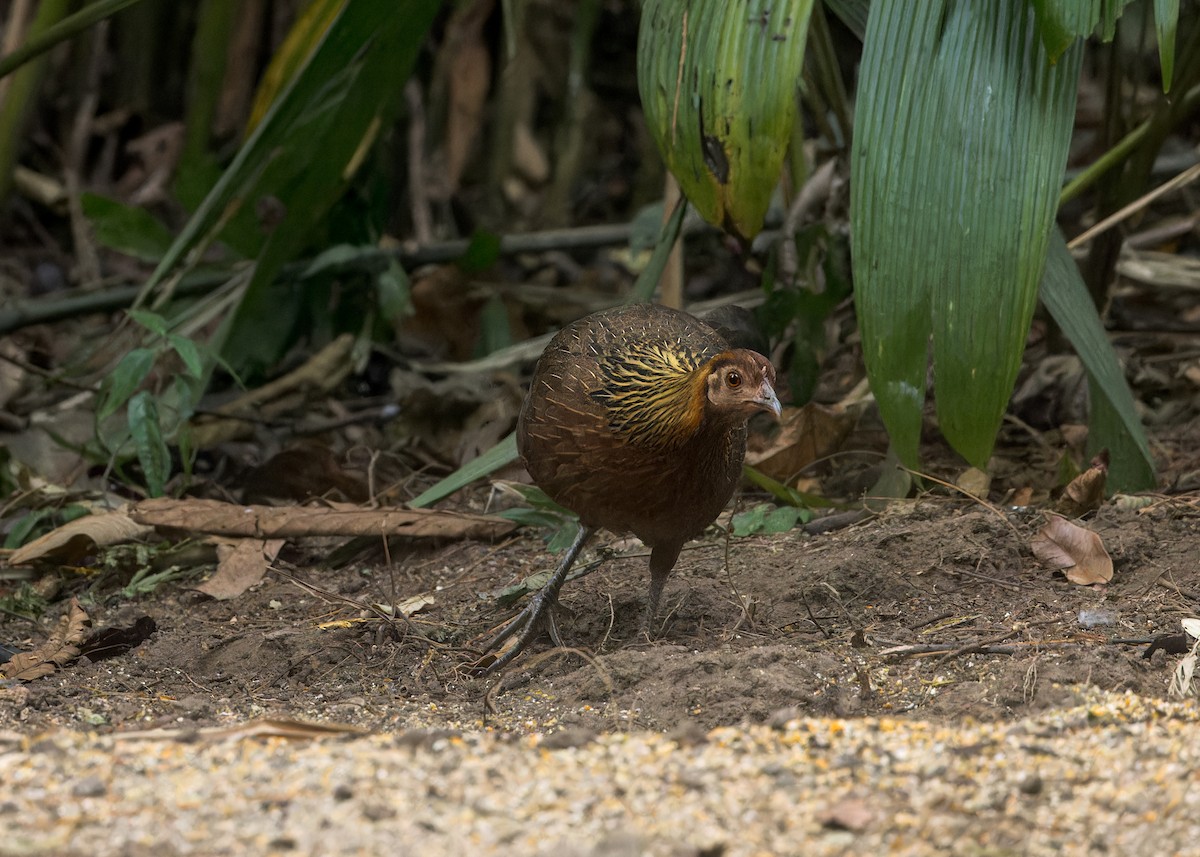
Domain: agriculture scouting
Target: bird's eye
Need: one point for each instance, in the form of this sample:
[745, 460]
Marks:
[734, 379]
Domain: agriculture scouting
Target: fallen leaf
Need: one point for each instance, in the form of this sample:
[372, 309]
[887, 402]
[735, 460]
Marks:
[1085, 492]
[1022, 497]
[974, 481]
[409, 606]
[1184, 675]
[76, 539]
[240, 565]
[60, 648]
[1075, 549]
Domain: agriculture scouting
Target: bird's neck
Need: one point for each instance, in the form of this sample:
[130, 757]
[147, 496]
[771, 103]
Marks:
[657, 395]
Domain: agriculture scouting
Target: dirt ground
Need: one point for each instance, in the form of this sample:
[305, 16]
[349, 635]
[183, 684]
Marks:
[752, 629]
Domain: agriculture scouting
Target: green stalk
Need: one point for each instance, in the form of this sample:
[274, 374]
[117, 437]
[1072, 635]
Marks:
[1122, 150]
[209, 55]
[41, 41]
[23, 89]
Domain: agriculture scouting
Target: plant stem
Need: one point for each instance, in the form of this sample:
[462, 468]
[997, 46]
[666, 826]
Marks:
[22, 90]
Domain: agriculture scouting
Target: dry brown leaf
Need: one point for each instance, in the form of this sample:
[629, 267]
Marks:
[1023, 496]
[76, 539]
[1085, 492]
[974, 481]
[806, 434]
[240, 565]
[283, 522]
[60, 648]
[1075, 549]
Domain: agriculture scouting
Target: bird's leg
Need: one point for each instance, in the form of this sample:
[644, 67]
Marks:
[662, 560]
[529, 621]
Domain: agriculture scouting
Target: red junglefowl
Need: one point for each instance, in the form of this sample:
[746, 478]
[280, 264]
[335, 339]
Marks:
[636, 421]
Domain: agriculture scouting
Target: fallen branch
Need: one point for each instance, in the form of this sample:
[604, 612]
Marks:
[282, 522]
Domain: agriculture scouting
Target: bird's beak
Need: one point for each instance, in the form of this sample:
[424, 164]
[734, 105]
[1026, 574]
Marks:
[767, 400]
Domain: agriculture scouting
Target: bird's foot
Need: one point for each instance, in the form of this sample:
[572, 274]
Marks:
[538, 614]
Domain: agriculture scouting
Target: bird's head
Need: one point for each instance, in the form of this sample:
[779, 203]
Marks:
[741, 383]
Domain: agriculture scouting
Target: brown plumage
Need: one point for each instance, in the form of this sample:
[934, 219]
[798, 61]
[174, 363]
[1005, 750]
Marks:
[636, 421]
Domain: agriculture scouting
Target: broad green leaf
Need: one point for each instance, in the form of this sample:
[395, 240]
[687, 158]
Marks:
[394, 292]
[481, 253]
[148, 443]
[1061, 22]
[152, 321]
[189, 353]
[126, 228]
[718, 83]
[1166, 22]
[1115, 424]
[124, 381]
[962, 131]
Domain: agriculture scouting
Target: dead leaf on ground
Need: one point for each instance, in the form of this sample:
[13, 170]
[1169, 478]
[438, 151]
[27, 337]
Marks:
[1085, 492]
[60, 648]
[284, 522]
[974, 481]
[240, 565]
[1075, 549]
[76, 539]
[806, 435]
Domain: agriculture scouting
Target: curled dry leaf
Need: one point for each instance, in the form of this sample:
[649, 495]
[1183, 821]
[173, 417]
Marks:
[1085, 492]
[76, 539]
[1183, 678]
[1075, 549]
[60, 648]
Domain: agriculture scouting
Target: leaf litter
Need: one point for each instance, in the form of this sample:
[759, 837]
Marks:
[1076, 550]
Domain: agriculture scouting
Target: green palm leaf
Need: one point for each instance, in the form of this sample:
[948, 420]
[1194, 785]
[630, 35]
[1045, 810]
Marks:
[718, 84]
[961, 139]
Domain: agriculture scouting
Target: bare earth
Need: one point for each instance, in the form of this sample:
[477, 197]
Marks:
[768, 717]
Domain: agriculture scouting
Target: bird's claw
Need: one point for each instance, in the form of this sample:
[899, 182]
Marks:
[538, 613]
